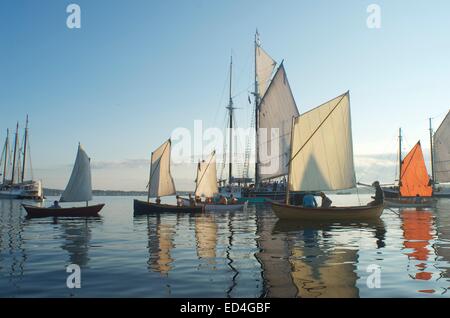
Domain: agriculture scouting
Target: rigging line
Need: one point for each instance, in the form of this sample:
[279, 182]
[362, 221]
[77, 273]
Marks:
[207, 166]
[315, 131]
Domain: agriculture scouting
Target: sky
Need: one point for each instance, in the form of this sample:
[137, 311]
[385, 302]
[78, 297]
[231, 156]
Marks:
[136, 70]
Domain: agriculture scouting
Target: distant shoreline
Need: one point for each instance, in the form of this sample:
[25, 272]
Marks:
[98, 193]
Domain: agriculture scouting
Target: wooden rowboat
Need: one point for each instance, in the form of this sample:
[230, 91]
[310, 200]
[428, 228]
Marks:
[85, 211]
[144, 207]
[293, 212]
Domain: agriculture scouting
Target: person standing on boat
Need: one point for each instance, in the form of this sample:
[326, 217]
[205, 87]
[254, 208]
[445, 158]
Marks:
[309, 201]
[326, 201]
[379, 195]
[179, 201]
[158, 200]
[55, 205]
[191, 200]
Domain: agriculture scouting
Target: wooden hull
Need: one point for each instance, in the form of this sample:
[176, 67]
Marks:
[86, 211]
[410, 202]
[219, 207]
[144, 207]
[292, 212]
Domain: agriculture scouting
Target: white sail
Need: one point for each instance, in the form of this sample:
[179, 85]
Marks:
[264, 69]
[276, 111]
[442, 151]
[207, 177]
[79, 188]
[161, 181]
[322, 148]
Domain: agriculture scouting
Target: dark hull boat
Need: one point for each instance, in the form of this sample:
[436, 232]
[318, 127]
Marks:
[144, 207]
[86, 211]
[291, 212]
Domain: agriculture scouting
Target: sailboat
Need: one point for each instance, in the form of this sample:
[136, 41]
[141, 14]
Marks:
[440, 157]
[415, 188]
[17, 186]
[78, 189]
[274, 107]
[206, 186]
[321, 159]
[161, 184]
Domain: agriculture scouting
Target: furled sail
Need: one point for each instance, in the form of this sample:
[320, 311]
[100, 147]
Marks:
[414, 179]
[276, 111]
[442, 151]
[322, 148]
[79, 188]
[161, 181]
[264, 69]
[206, 182]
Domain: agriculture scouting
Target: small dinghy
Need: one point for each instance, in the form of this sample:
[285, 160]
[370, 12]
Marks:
[144, 207]
[161, 184]
[410, 202]
[79, 189]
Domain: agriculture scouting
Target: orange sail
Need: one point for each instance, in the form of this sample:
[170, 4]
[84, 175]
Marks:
[414, 175]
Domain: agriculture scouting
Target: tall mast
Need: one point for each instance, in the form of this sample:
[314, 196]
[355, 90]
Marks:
[432, 153]
[6, 155]
[399, 156]
[256, 115]
[230, 110]
[15, 152]
[25, 150]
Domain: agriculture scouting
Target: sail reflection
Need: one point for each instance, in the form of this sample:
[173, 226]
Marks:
[310, 259]
[418, 232]
[77, 235]
[206, 237]
[160, 243]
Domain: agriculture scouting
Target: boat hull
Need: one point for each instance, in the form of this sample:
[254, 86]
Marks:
[292, 212]
[144, 207]
[219, 207]
[410, 202]
[87, 211]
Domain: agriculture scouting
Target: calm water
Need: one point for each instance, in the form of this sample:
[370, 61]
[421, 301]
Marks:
[237, 254]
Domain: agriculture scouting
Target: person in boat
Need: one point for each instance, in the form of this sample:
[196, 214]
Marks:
[208, 200]
[191, 201]
[233, 200]
[179, 201]
[326, 201]
[223, 200]
[55, 205]
[309, 201]
[418, 199]
[158, 200]
[379, 195]
[198, 199]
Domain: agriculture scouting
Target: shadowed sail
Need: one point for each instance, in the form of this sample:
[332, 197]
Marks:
[276, 111]
[161, 181]
[79, 188]
[322, 148]
[206, 181]
[414, 179]
[442, 151]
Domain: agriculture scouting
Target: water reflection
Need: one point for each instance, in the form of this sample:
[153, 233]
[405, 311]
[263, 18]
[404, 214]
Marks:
[76, 234]
[313, 259]
[442, 245]
[13, 253]
[206, 237]
[160, 243]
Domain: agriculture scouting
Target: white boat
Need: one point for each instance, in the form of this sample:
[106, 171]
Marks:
[206, 187]
[13, 168]
[218, 207]
[321, 159]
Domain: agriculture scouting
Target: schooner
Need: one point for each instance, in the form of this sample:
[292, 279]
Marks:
[13, 167]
